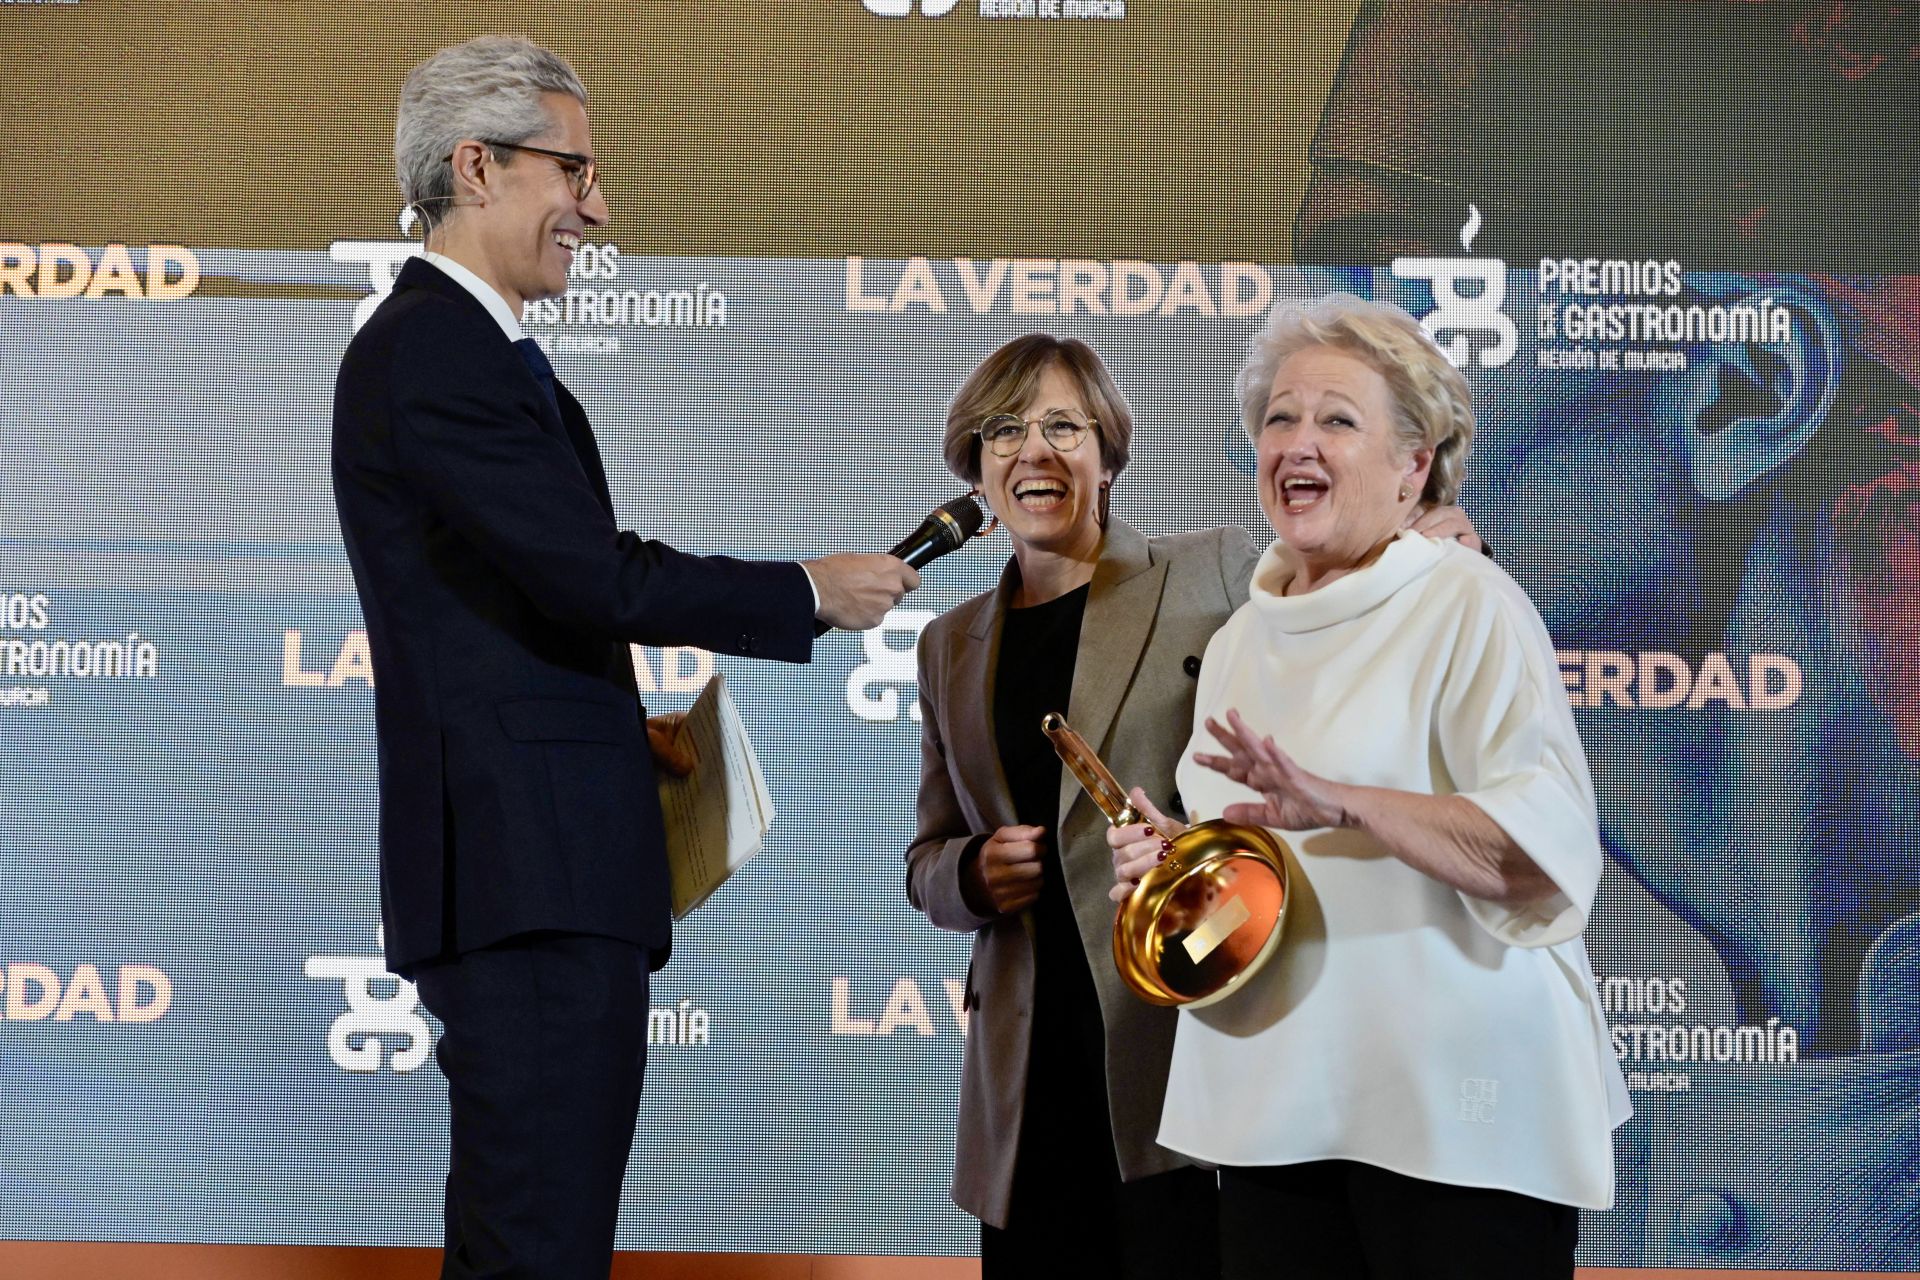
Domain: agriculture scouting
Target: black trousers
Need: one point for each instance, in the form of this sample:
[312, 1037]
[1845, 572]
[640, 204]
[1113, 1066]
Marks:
[1162, 1227]
[1070, 1213]
[544, 1051]
[1340, 1220]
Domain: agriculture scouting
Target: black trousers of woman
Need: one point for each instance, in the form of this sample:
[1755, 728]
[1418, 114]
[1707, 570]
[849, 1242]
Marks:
[1071, 1214]
[1072, 1217]
[1341, 1220]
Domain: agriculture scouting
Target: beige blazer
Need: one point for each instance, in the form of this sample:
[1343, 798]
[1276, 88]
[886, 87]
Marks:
[1151, 608]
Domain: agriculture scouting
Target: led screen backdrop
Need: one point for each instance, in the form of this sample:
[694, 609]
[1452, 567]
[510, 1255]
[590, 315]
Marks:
[1666, 243]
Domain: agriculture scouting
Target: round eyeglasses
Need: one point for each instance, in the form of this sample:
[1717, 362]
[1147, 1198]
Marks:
[582, 172]
[1005, 434]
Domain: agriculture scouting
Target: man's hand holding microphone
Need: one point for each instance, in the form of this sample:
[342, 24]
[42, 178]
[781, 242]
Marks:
[857, 588]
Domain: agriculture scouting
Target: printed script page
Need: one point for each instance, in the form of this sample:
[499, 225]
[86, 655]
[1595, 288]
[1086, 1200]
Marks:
[718, 816]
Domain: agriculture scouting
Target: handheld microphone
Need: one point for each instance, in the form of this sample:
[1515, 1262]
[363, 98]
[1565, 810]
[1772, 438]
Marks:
[947, 529]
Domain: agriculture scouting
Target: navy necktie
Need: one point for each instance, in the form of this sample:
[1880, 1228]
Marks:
[542, 369]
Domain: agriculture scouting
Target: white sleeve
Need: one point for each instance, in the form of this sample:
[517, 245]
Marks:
[1507, 738]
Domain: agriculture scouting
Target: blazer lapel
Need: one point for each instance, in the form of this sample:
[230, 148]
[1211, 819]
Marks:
[970, 735]
[586, 449]
[1121, 603]
[570, 424]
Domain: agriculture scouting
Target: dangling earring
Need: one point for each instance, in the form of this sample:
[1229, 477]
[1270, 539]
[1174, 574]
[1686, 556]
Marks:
[993, 517]
[1105, 490]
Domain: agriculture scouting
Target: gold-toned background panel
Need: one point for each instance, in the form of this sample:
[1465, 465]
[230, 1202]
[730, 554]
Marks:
[1180, 131]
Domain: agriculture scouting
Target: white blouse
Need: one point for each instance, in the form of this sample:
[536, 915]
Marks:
[1402, 1023]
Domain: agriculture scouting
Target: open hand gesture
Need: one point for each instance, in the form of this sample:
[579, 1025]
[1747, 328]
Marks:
[1291, 798]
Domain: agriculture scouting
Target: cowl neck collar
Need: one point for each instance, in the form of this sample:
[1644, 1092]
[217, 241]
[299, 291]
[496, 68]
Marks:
[1409, 556]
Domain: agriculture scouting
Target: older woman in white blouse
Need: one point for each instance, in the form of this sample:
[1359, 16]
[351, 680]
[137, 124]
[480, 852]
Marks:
[1421, 1082]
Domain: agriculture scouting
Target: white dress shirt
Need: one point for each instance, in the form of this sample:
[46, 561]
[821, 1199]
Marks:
[489, 298]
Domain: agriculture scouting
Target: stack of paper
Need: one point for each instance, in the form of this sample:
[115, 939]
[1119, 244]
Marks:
[718, 816]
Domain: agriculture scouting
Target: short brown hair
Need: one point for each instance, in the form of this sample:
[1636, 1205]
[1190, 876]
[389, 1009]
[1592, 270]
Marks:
[1004, 382]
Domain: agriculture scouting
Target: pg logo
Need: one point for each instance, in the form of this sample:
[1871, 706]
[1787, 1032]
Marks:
[1457, 312]
[887, 666]
[902, 8]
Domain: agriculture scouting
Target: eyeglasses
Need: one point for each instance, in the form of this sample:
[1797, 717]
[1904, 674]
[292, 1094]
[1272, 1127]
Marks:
[1005, 434]
[583, 172]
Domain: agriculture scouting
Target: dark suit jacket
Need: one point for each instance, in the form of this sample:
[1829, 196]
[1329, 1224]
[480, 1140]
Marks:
[1151, 608]
[517, 792]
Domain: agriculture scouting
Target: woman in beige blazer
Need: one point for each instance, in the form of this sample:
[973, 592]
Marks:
[1065, 1069]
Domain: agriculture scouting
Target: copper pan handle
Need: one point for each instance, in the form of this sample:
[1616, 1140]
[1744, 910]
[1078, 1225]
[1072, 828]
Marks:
[1098, 780]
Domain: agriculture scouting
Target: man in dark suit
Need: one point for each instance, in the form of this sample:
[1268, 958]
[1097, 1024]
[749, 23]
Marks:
[523, 882]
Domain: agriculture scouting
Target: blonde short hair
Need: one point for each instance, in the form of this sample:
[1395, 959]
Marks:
[1005, 381]
[1433, 408]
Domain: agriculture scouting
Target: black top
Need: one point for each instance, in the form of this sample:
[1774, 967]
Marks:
[1066, 1093]
[1038, 646]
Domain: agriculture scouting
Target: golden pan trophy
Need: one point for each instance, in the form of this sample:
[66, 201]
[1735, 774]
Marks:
[1204, 920]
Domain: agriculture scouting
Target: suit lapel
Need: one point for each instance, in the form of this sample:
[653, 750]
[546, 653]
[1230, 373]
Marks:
[971, 741]
[586, 449]
[570, 424]
[1121, 604]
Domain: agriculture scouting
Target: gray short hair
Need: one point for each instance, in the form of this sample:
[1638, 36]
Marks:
[488, 87]
[1433, 407]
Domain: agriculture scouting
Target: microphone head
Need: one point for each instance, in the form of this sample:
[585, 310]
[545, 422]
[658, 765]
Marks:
[946, 529]
[965, 512]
